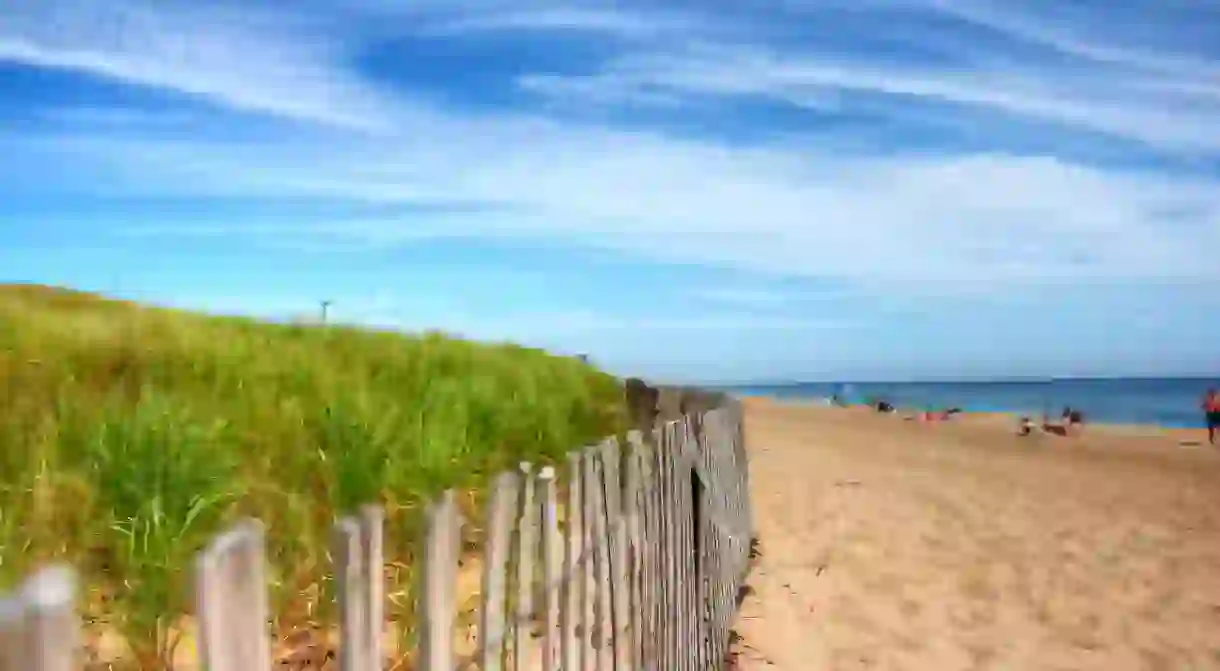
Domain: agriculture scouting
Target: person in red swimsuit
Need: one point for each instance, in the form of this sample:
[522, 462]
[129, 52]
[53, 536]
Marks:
[1211, 412]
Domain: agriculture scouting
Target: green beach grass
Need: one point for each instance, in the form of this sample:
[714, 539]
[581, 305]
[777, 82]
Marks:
[131, 435]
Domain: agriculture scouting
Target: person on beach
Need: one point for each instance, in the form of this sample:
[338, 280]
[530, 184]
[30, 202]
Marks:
[1071, 418]
[1025, 426]
[1211, 413]
[940, 415]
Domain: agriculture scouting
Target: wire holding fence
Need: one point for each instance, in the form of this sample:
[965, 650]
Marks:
[631, 561]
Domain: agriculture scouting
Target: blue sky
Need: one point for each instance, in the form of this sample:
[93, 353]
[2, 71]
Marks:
[711, 191]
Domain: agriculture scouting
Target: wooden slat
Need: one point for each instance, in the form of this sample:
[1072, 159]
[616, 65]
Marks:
[691, 589]
[552, 567]
[439, 585]
[372, 545]
[620, 577]
[349, 581]
[601, 561]
[682, 514]
[633, 510]
[656, 553]
[526, 552]
[589, 568]
[359, 576]
[39, 628]
[678, 522]
[500, 514]
[231, 595]
[571, 616]
[705, 562]
[12, 633]
[666, 582]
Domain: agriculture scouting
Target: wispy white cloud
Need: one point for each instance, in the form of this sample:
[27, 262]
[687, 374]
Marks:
[391, 310]
[554, 325]
[982, 218]
[113, 117]
[1089, 35]
[793, 207]
[745, 297]
[603, 21]
[246, 58]
[1174, 114]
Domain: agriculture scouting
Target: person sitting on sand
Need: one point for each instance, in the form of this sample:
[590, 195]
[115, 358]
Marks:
[1211, 414]
[940, 415]
[1025, 426]
[1072, 417]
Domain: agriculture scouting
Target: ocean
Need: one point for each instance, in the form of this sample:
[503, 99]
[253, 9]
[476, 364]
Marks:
[1168, 402]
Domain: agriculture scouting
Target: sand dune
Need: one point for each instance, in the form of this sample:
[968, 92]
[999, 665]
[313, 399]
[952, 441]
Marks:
[896, 545]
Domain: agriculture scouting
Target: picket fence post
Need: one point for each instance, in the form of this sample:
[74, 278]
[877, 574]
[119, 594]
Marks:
[231, 598]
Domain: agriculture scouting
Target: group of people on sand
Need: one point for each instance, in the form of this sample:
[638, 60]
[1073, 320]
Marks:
[884, 406]
[1070, 419]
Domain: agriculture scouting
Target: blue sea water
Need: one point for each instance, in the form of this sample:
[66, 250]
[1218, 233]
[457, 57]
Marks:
[1169, 402]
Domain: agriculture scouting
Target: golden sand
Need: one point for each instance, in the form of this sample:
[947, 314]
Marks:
[892, 544]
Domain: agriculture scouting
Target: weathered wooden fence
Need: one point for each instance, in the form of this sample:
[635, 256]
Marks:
[637, 567]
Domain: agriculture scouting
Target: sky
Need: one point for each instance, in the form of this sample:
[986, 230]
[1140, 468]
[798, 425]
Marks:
[703, 191]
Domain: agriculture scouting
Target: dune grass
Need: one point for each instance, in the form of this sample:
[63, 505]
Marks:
[130, 435]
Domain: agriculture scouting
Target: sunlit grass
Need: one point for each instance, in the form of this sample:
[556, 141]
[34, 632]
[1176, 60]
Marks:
[130, 435]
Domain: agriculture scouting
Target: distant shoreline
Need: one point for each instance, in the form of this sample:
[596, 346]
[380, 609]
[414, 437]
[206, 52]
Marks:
[1204, 378]
[1010, 416]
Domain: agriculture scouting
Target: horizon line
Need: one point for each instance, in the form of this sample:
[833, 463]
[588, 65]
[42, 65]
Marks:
[970, 380]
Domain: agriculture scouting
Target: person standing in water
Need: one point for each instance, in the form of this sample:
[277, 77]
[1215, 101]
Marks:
[1211, 412]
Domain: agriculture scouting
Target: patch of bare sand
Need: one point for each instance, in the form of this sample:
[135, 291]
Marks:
[889, 544]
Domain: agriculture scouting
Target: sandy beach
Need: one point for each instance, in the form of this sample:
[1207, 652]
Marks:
[891, 544]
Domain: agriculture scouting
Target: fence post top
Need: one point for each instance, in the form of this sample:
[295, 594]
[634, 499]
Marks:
[547, 473]
[51, 587]
[526, 467]
[372, 511]
[245, 531]
[346, 524]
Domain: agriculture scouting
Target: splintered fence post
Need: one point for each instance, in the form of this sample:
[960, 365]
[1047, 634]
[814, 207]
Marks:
[359, 579]
[439, 585]
[551, 569]
[231, 595]
[39, 630]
